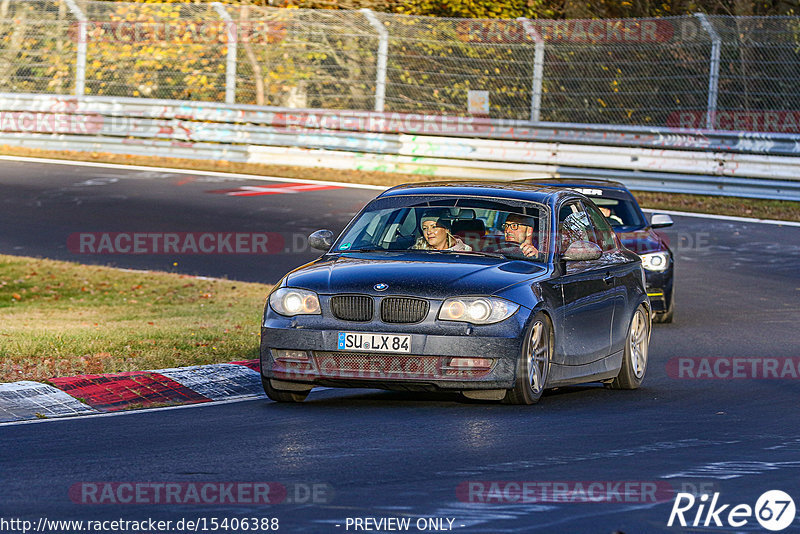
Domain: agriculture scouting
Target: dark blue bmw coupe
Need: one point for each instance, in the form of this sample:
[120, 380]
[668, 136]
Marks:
[495, 290]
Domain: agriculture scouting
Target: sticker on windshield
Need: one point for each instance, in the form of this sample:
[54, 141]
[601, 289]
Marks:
[344, 246]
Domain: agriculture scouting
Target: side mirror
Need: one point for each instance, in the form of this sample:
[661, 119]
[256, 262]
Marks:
[661, 220]
[321, 240]
[582, 251]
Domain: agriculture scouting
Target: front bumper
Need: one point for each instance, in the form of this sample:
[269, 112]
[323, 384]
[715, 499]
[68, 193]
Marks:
[659, 289]
[427, 367]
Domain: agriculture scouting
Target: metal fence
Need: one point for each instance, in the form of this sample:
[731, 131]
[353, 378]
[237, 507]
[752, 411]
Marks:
[729, 73]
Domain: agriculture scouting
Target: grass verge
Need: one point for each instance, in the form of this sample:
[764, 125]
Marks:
[783, 210]
[63, 319]
[742, 207]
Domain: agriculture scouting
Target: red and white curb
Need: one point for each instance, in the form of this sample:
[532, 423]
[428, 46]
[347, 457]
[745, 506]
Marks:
[220, 381]
[32, 400]
[92, 394]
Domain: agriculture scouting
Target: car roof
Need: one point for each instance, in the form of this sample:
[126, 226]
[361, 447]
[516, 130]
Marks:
[513, 190]
[591, 187]
[576, 182]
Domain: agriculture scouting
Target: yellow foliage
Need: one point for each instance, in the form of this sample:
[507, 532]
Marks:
[140, 46]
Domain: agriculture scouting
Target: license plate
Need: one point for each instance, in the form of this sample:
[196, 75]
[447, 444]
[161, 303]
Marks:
[374, 342]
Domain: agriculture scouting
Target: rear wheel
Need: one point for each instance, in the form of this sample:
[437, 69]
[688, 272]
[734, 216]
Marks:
[533, 364]
[280, 395]
[634, 358]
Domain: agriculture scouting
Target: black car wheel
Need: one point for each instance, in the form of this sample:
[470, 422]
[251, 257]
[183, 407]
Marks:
[279, 395]
[533, 364]
[634, 359]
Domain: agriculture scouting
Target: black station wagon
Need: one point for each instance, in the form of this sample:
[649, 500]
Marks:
[494, 290]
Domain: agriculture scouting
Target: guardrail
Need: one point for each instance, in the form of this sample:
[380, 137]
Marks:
[693, 161]
[123, 116]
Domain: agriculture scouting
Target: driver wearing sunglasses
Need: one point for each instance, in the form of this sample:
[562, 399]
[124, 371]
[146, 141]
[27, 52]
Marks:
[519, 229]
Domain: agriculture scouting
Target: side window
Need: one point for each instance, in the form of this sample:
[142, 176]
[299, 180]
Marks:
[603, 231]
[574, 225]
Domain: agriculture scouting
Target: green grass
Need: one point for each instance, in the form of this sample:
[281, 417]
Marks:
[62, 319]
[785, 210]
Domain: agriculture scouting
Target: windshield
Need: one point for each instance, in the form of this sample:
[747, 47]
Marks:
[457, 225]
[622, 214]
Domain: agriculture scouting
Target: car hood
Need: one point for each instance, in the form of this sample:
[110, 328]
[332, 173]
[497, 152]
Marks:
[643, 241]
[415, 274]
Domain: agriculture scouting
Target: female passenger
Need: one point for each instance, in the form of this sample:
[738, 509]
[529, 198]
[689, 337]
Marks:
[436, 236]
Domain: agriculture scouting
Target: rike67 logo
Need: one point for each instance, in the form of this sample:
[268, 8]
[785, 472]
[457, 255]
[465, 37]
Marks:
[774, 510]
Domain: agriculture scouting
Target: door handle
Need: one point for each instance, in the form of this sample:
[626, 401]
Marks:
[608, 278]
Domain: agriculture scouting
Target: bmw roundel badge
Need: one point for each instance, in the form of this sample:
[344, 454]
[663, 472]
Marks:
[381, 287]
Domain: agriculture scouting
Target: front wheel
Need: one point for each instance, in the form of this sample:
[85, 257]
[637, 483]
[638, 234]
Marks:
[668, 315]
[533, 364]
[634, 358]
[280, 395]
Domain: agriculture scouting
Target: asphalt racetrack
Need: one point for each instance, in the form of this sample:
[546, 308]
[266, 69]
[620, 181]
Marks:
[717, 414]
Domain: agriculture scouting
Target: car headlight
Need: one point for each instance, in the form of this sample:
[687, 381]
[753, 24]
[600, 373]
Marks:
[477, 310]
[290, 301]
[655, 261]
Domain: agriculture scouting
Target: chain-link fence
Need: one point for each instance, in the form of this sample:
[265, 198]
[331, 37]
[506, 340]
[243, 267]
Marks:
[37, 52]
[305, 58]
[174, 51]
[433, 64]
[733, 73]
[759, 73]
[627, 72]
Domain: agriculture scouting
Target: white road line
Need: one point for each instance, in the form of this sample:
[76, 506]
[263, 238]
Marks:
[340, 184]
[723, 217]
[131, 412]
[188, 171]
[256, 396]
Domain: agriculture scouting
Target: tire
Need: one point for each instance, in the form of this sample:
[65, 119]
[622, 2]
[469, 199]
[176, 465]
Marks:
[533, 364]
[279, 395]
[667, 316]
[634, 358]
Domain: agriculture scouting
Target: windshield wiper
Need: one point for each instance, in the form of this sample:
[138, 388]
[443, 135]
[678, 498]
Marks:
[366, 249]
[477, 253]
[423, 250]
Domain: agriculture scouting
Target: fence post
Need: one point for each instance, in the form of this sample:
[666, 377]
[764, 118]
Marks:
[232, 33]
[538, 68]
[713, 74]
[80, 65]
[383, 52]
